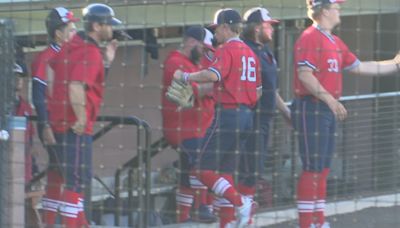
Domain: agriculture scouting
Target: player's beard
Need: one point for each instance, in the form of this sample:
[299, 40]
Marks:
[195, 55]
[264, 37]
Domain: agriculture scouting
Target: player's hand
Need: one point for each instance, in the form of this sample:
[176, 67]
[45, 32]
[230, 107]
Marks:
[109, 52]
[338, 109]
[181, 94]
[396, 59]
[178, 76]
[286, 115]
[79, 127]
[48, 136]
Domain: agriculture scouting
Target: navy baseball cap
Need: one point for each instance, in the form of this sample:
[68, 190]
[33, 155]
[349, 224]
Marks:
[226, 16]
[201, 34]
[60, 16]
[20, 68]
[317, 3]
[258, 15]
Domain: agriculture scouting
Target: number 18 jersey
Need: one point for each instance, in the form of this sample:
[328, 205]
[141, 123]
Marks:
[238, 71]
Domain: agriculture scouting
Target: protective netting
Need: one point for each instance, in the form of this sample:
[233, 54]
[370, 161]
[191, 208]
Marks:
[136, 173]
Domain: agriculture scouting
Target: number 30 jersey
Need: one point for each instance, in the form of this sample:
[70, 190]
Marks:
[238, 71]
[327, 55]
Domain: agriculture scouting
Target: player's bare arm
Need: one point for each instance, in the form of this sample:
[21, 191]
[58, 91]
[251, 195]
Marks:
[48, 135]
[283, 108]
[200, 76]
[317, 90]
[259, 92]
[378, 68]
[78, 102]
[205, 89]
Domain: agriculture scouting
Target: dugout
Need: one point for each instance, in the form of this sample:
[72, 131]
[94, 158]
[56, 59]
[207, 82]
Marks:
[370, 28]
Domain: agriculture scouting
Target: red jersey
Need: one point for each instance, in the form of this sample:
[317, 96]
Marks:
[238, 73]
[179, 125]
[205, 61]
[79, 60]
[40, 63]
[327, 55]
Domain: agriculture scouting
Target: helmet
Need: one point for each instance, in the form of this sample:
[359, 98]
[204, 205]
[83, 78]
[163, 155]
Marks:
[100, 13]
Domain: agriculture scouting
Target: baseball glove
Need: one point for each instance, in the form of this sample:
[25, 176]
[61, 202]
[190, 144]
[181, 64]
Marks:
[181, 94]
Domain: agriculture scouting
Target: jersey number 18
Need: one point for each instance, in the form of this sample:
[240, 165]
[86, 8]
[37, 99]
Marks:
[248, 69]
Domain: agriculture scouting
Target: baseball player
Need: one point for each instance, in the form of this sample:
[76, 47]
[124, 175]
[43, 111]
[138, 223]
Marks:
[237, 87]
[186, 128]
[320, 58]
[75, 102]
[23, 108]
[60, 28]
[257, 33]
[203, 199]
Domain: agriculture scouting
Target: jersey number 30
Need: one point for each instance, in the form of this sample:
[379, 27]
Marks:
[248, 69]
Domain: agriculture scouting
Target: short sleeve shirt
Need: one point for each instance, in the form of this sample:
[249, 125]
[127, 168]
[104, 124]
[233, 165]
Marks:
[79, 60]
[327, 55]
[179, 125]
[237, 68]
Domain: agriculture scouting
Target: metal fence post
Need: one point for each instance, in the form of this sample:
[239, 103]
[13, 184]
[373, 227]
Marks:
[6, 104]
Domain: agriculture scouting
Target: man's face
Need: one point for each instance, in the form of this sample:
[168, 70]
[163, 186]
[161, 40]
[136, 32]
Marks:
[219, 34]
[196, 52]
[68, 32]
[266, 32]
[334, 14]
[105, 32]
[19, 83]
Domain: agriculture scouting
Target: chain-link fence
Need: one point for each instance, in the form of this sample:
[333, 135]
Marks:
[366, 158]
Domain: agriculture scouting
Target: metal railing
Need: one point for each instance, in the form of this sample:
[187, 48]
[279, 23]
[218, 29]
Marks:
[141, 161]
[365, 162]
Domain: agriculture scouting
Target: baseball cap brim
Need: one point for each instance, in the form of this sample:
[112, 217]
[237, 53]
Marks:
[64, 15]
[208, 39]
[273, 21]
[114, 21]
[209, 47]
[212, 26]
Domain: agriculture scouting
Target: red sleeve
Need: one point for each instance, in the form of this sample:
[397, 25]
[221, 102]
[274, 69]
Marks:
[305, 52]
[349, 59]
[222, 63]
[170, 66]
[38, 67]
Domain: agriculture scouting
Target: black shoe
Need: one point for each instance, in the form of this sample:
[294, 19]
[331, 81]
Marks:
[203, 215]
